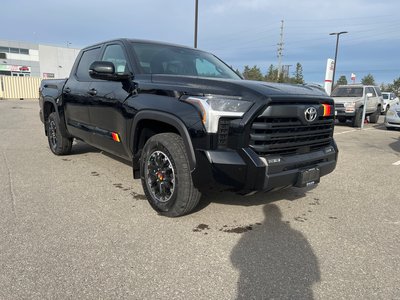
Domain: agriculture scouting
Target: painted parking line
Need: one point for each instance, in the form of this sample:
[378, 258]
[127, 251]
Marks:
[397, 163]
[353, 130]
[337, 133]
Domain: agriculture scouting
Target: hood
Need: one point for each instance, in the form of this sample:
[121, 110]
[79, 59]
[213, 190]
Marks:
[247, 89]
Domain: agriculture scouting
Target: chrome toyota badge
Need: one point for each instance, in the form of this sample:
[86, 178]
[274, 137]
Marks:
[310, 114]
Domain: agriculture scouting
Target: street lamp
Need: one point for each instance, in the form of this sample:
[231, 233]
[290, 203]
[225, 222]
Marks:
[196, 14]
[337, 44]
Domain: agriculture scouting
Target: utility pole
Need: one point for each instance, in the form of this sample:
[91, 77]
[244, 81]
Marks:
[286, 70]
[280, 50]
[336, 52]
[196, 14]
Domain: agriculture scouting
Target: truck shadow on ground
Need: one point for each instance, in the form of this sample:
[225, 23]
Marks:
[275, 261]
[261, 198]
[395, 145]
[79, 147]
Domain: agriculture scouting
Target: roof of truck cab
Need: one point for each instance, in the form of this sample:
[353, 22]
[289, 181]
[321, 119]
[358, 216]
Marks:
[127, 40]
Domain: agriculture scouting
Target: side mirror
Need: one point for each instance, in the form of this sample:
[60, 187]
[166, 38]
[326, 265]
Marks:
[369, 95]
[105, 70]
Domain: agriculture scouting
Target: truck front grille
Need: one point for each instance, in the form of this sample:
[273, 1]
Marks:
[285, 136]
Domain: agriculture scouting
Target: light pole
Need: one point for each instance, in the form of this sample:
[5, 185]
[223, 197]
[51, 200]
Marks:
[196, 14]
[337, 44]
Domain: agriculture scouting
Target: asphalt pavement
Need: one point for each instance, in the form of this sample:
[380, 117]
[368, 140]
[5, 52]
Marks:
[79, 227]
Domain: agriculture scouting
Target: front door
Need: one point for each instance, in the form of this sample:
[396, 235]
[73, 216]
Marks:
[106, 110]
[372, 102]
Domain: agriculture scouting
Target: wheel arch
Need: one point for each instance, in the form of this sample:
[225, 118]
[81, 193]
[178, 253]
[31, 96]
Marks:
[149, 123]
[49, 106]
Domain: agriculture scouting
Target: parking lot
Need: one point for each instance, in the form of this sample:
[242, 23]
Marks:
[79, 227]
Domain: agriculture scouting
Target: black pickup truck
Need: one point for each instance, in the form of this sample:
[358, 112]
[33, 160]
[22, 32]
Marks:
[188, 122]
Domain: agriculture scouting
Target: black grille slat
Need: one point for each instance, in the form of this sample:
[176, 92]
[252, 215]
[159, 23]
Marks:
[289, 146]
[286, 135]
[289, 135]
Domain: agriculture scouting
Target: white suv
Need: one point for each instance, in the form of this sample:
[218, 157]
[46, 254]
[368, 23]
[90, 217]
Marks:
[389, 99]
[349, 103]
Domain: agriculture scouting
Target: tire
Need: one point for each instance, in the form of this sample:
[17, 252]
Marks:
[357, 119]
[58, 144]
[375, 116]
[341, 119]
[166, 177]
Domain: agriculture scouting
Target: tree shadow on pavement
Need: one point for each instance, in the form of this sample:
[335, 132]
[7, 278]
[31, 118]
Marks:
[275, 261]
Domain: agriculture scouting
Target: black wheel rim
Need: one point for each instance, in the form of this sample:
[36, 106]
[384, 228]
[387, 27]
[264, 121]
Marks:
[52, 134]
[160, 175]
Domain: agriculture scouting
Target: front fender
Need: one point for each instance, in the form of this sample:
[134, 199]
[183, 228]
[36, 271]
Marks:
[168, 119]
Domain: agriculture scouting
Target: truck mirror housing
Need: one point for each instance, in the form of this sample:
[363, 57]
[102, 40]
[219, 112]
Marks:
[105, 70]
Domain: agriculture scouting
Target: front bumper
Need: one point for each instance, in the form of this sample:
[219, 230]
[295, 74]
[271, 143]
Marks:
[343, 113]
[245, 172]
[392, 122]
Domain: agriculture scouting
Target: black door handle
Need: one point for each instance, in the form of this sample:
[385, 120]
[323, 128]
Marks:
[67, 90]
[92, 92]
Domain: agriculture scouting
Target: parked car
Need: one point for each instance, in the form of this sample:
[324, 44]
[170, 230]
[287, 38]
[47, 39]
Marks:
[349, 103]
[389, 99]
[392, 118]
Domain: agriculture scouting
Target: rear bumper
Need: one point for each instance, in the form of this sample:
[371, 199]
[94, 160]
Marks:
[245, 172]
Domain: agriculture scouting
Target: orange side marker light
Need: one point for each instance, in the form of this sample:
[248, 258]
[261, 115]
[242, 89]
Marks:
[115, 137]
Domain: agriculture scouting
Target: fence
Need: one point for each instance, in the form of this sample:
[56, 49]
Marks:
[19, 87]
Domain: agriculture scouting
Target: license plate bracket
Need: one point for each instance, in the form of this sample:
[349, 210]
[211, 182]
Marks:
[308, 177]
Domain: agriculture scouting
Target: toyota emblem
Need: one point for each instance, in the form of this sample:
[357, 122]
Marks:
[310, 114]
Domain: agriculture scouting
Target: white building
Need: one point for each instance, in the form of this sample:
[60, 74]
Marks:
[28, 59]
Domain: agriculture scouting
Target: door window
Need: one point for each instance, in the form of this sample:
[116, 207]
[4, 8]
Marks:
[116, 55]
[372, 91]
[88, 57]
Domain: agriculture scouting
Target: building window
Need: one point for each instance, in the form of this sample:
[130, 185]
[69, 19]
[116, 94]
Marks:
[24, 51]
[14, 50]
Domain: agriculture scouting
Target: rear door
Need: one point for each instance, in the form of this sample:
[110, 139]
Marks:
[107, 97]
[76, 97]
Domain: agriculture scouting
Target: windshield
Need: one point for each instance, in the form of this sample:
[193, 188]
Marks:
[385, 96]
[347, 92]
[165, 59]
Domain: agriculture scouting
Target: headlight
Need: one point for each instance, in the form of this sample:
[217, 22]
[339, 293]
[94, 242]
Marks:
[350, 106]
[212, 108]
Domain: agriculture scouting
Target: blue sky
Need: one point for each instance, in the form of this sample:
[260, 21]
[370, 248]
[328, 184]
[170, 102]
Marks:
[241, 32]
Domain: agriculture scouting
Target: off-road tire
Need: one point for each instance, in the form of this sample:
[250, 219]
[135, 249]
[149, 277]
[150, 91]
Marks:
[59, 144]
[373, 118]
[166, 177]
[357, 119]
